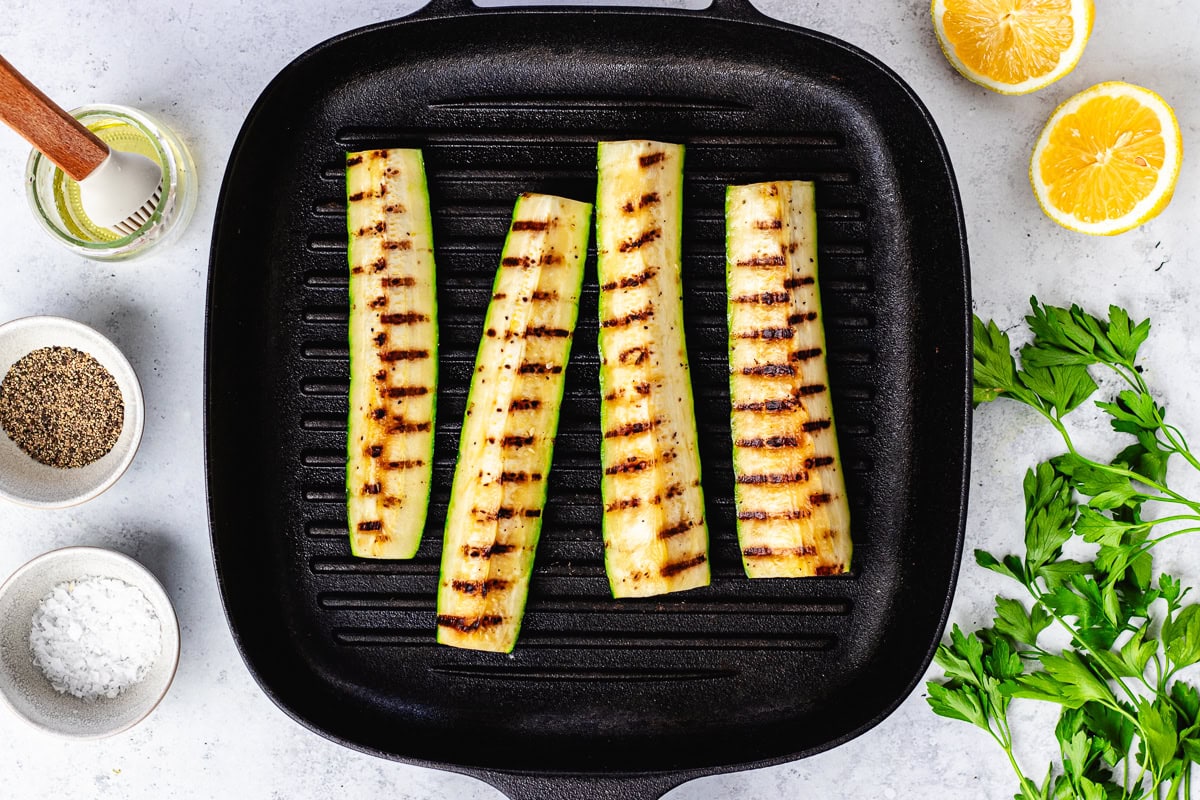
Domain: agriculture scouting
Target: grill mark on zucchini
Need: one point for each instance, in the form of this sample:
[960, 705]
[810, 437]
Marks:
[772, 552]
[814, 425]
[676, 567]
[769, 224]
[816, 462]
[495, 549]
[632, 429]
[771, 442]
[630, 465]
[631, 281]
[406, 318]
[793, 283]
[769, 334]
[811, 389]
[395, 392]
[805, 355]
[400, 281]
[630, 318]
[527, 368]
[770, 370]
[769, 406]
[636, 355]
[410, 463]
[401, 425]
[404, 355]
[541, 331]
[623, 504]
[482, 587]
[796, 319]
[650, 159]
[370, 525]
[541, 295]
[517, 441]
[468, 625]
[641, 241]
[393, 244]
[531, 225]
[524, 404]
[774, 478]
[764, 298]
[676, 529]
[764, 261]
[790, 514]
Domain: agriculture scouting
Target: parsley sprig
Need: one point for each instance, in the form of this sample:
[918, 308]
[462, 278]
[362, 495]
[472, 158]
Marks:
[1130, 726]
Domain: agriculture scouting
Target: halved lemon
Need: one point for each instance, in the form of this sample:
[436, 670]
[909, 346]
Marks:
[1108, 159]
[1013, 46]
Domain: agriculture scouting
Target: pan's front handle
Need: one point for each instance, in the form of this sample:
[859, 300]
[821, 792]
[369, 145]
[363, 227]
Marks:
[729, 9]
[583, 787]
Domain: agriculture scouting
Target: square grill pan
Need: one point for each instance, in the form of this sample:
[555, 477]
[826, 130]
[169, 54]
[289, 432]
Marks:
[601, 697]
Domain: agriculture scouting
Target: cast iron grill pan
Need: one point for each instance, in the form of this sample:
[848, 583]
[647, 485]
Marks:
[602, 697]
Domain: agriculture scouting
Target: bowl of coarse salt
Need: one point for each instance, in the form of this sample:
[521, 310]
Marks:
[89, 642]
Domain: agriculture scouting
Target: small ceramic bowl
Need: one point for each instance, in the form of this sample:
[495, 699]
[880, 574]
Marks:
[23, 687]
[28, 482]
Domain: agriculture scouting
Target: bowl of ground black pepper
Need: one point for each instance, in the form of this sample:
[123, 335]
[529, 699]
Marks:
[71, 412]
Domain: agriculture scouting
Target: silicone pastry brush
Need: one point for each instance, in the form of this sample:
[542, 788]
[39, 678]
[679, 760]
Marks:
[118, 190]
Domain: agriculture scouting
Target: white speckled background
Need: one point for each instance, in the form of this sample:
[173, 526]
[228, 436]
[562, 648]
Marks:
[200, 65]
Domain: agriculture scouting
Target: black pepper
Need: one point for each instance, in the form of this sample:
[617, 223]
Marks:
[62, 407]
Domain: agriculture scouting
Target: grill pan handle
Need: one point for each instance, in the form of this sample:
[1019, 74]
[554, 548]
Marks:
[729, 9]
[583, 787]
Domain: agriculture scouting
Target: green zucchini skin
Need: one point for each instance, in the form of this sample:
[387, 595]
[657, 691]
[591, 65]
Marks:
[789, 490]
[655, 533]
[507, 442]
[393, 338]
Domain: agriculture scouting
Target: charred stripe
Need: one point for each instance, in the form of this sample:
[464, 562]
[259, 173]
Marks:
[765, 298]
[794, 513]
[407, 391]
[677, 567]
[770, 441]
[770, 552]
[793, 283]
[763, 261]
[469, 625]
[774, 478]
[770, 370]
[677, 529]
[481, 588]
[404, 355]
[806, 355]
[631, 429]
[531, 225]
[407, 318]
[650, 159]
[641, 241]
[628, 319]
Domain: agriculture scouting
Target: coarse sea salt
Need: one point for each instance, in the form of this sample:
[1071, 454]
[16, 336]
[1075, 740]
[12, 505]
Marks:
[95, 637]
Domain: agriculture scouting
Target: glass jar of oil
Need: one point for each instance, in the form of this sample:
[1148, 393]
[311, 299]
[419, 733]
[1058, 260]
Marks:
[54, 197]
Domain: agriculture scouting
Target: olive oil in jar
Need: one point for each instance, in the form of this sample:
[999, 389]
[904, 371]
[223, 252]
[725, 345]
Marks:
[118, 135]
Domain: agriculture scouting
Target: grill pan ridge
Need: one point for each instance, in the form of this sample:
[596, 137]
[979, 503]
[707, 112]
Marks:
[601, 698]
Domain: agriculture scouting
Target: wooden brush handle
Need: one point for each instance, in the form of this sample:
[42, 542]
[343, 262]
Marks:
[62, 138]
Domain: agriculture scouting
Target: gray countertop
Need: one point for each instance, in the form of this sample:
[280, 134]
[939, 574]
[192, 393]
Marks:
[199, 66]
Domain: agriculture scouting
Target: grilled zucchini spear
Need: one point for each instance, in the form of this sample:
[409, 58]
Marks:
[793, 518]
[393, 352]
[655, 536]
[499, 490]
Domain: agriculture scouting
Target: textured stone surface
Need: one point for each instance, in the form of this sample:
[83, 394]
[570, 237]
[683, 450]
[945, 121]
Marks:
[201, 65]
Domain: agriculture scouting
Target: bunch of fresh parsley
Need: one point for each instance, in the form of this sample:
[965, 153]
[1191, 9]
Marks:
[1129, 727]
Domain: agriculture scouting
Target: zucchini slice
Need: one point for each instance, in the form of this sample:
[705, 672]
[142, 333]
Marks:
[393, 352]
[655, 535]
[792, 516]
[499, 491]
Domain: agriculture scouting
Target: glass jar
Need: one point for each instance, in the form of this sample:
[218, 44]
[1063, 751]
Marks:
[54, 197]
